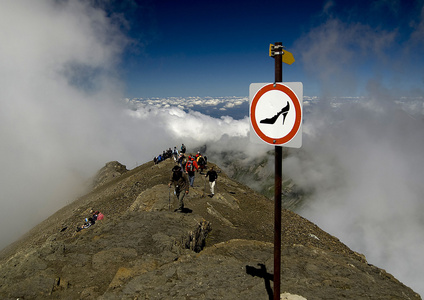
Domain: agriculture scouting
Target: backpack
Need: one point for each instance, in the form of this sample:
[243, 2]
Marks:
[190, 166]
[201, 161]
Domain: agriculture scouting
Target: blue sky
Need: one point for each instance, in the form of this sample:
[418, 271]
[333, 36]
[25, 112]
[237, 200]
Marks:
[205, 48]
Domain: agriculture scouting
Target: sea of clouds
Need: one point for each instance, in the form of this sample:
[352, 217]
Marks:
[62, 118]
[363, 165]
[361, 162]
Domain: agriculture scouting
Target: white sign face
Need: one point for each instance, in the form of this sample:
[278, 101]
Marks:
[276, 113]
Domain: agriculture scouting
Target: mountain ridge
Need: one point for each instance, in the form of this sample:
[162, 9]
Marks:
[143, 250]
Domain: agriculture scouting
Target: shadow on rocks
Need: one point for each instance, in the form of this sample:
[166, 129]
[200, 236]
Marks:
[262, 273]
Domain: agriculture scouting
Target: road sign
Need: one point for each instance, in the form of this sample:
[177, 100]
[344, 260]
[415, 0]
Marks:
[276, 113]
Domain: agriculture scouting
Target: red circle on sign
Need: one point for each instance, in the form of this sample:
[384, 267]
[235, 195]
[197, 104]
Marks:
[298, 110]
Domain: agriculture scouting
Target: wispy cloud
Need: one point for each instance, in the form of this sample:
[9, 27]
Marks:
[57, 119]
[61, 117]
[362, 161]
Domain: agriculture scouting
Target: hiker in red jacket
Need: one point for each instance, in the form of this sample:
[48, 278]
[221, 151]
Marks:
[190, 168]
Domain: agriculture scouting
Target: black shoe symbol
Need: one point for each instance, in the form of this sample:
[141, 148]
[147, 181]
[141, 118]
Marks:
[284, 111]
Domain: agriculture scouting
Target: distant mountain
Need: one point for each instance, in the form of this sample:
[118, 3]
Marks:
[220, 248]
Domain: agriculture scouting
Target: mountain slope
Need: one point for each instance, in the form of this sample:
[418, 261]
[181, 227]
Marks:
[222, 249]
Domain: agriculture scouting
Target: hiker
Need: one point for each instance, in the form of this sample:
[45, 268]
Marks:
[183, 149]
[169, 153]
[180, 181]
[190, 168]
[175, 153]
[180, 160]
[96, 215]
[100, 216]
[201, 162]
[213, 176]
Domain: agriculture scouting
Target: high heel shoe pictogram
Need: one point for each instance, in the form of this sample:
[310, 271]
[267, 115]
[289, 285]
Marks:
[284, 111]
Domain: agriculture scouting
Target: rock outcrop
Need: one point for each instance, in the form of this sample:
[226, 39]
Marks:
[109, 172]
[221, 248]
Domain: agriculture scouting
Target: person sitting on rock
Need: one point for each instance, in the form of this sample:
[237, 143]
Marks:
[88, 222]
[96, 215]
[100, 216]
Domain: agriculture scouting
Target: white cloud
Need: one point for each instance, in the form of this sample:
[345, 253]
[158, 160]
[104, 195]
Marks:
[364, 167]
[362, 160]
[194, 127]
[57, 121]
[336, 53]
[191, 102]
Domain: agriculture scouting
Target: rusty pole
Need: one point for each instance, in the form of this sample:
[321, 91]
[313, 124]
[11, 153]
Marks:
[278, 58]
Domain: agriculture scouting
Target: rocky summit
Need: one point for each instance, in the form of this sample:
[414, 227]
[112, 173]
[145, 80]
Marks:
[219, 247]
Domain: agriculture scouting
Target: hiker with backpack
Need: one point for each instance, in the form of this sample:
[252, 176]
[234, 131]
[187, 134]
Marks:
[183, 149]
[213, 176]
[180, 182]
[190, 167]
[201, 162]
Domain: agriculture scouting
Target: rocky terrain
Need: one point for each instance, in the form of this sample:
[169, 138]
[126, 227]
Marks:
[220, 248]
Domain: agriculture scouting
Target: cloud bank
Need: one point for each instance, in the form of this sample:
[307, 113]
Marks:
[216, 107]
[61, 118]
[362, 160]
[364, 166]
[58, 121]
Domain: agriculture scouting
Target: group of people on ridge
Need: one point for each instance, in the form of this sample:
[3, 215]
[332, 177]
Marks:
[183, 175]
[181, 158]
[95, 216]
[165, 155]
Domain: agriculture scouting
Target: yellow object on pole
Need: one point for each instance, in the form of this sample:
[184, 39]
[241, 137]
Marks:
[287, 56]
[271, 50]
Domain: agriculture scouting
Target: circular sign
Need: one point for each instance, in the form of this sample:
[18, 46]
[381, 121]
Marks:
[276, 114]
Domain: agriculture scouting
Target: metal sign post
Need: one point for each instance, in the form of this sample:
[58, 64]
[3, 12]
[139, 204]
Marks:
[276, 119]
[278, 58]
